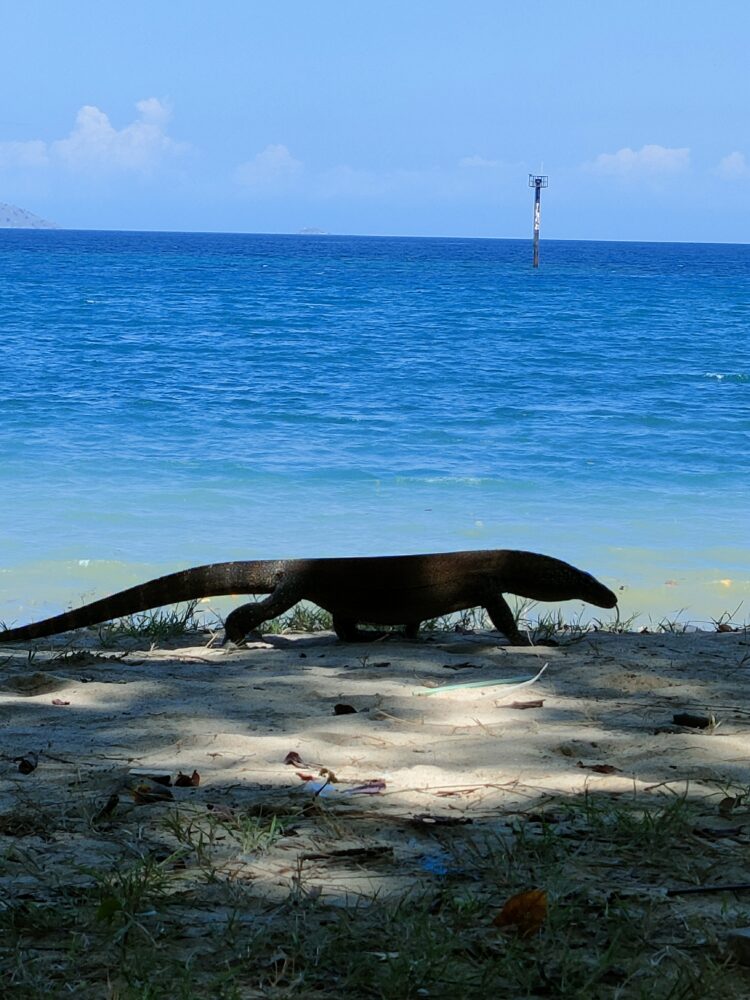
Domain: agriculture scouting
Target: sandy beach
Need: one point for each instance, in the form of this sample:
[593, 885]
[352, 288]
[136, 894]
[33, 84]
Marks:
[235, 715]
[392, 757]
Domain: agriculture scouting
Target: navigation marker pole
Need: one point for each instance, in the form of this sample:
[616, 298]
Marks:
[537, 181]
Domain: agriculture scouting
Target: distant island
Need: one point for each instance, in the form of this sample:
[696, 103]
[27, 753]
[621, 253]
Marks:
[18, 218]
[311, 231]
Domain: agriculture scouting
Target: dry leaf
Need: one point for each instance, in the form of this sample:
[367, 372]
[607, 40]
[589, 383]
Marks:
[526, 911]
[599, 768]
[187, 780]
[145, 794]
[27, 763]
[342, 709]
[60, 701]
[372, 787]
[691, 721]
[293, 758]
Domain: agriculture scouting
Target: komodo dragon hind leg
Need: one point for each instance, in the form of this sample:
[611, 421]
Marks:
[245, 619]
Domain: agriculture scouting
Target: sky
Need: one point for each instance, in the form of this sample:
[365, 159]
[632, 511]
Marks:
[395, 117]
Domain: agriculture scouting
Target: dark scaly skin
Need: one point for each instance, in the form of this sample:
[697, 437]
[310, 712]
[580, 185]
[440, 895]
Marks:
[380, 590]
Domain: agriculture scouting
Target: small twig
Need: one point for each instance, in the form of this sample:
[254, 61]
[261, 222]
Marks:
[691, 889]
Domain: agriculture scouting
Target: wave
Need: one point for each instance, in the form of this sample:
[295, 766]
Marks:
[727, 376]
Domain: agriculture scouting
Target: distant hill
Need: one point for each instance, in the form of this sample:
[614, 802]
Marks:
[18, 218]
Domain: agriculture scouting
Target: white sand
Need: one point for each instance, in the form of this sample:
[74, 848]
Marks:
[234, 715]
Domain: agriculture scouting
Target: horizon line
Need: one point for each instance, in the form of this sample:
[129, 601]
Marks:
[366, 236]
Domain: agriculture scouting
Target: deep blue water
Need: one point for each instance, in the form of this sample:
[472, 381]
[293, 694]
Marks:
[169, 399]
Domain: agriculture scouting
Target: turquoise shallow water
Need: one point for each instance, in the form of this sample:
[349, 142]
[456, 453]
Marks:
[173, 399]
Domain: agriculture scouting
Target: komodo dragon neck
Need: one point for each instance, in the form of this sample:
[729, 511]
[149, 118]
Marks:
[381, 590]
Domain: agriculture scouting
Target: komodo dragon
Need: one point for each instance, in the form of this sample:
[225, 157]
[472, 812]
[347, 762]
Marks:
[379, 590]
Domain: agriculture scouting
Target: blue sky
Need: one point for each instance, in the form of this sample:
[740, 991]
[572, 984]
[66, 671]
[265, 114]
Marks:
[416, 117]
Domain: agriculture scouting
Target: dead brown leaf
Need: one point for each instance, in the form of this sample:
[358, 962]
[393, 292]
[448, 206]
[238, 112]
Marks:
[692, 721]
[343, 709]
[372, 787]
[146, 793]
[187, 780]
[600, 768]
[27, 763]
[526, 911]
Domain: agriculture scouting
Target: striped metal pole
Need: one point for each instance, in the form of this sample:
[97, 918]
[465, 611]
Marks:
[537, 181]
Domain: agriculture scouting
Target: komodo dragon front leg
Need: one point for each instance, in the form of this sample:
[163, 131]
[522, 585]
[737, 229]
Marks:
[246, 619]
[503, 619]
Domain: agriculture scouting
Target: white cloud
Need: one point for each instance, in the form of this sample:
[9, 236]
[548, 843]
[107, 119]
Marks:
[23, 154]
[94, 144]
[648, 160]
[274, 167]
[733, 167]
[154, 110]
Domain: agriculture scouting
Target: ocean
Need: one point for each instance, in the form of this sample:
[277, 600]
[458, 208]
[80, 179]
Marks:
[171, 399]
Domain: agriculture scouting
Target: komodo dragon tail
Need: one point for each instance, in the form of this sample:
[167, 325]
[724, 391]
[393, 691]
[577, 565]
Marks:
[213, 580]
